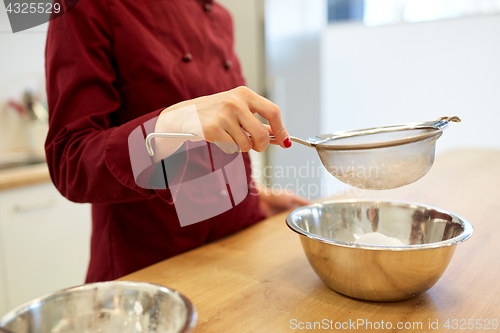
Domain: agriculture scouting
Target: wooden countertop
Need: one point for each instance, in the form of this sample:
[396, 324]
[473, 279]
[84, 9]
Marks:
[259, 280]
[24, 176]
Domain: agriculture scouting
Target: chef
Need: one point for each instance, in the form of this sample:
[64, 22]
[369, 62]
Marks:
[113, 66]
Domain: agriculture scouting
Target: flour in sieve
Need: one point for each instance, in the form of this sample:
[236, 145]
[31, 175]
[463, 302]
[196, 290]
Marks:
[382, 176]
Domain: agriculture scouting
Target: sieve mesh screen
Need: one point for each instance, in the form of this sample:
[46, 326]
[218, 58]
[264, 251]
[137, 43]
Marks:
[380, 168]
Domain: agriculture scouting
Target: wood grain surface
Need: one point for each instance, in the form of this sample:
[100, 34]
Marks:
[259, 280]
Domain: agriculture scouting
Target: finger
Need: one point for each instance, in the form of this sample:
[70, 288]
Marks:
[238, 136]
[272, 113]
[226, 143]
[228, 129]
[257, 130]
[272, 139]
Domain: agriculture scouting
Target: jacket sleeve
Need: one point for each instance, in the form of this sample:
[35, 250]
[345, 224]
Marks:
[88, 155]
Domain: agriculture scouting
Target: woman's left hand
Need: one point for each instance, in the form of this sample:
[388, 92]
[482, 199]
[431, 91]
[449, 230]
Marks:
[273, 203]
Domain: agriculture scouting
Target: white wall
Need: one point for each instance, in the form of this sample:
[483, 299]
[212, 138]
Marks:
[415, 72]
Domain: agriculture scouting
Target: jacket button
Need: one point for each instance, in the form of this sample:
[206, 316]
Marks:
[187, 57]
[207, 7]
[228, 64]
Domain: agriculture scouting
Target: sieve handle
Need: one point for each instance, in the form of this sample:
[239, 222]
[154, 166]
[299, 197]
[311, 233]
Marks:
[189, 135]
[453, 119]
[165, 135]
[294, 139]
[444, 121]
[441, 123]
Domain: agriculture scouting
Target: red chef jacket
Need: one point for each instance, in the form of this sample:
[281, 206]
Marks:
[111, 66]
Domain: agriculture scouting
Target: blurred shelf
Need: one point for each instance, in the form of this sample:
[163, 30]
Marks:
[23, 175]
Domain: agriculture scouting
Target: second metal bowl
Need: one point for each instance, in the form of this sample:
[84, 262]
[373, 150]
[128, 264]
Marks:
[378, 272]
[118, 306]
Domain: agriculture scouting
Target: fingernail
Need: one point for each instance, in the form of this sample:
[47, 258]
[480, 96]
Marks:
[287, 143]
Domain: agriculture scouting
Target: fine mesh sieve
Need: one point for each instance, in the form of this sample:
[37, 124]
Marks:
[380, 168]
[379, 158]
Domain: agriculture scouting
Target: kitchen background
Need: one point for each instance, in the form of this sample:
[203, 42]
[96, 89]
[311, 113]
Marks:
[330, 65]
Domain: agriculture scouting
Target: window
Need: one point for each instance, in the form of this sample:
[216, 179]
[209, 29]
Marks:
[381, 12]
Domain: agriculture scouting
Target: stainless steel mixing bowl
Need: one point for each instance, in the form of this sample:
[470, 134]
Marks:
[377, 272]
[118, 306]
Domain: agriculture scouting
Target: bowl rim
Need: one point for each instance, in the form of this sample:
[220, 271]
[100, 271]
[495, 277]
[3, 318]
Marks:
[466, 234]
[192, 314]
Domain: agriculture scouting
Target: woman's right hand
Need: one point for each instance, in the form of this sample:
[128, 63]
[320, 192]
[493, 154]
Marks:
[225, 117]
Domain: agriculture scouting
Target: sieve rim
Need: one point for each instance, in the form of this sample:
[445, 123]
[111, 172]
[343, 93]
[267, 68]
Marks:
[348, 134]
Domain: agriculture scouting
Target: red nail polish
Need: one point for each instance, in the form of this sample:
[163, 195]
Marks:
[287, 143]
